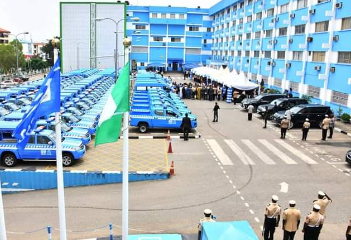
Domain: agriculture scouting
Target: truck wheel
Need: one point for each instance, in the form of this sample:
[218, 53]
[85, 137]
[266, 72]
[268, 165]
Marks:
[9, 160]
[143, 127]
[67, 160]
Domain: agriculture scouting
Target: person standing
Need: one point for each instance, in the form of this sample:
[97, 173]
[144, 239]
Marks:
[283, 127]
[291, 221]
[331, 126]
[215, 112]
[305, 128]
[250, 109]
[186, 126]
[265, 117]
[207, 218]
[275, 107]
[219, 91]
[348, 231]
[325, 126]
[290, 93]
[271, 218]
[288, 117]
[323, 201]
[313, 224]
[184, 75]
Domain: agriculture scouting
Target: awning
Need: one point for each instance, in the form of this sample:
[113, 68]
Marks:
[155, 64]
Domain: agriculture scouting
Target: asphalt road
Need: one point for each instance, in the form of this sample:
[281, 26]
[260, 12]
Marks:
[233, 169]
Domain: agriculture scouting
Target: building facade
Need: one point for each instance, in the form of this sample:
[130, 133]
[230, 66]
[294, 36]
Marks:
[169, 36]
[37, 50]
[4, 36]
[298, 44]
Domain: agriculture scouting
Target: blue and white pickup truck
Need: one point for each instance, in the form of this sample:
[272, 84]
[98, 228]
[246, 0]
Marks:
[74, 121]
[157, 117]
[40, 147]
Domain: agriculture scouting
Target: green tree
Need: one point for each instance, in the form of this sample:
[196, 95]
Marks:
[21, 60]
[7, 58]
[37, 63]
[48, 49]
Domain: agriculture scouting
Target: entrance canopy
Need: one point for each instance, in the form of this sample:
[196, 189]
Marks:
[240, 230]
[156, 64]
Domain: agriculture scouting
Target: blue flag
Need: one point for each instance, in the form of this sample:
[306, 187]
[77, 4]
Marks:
[46, 101]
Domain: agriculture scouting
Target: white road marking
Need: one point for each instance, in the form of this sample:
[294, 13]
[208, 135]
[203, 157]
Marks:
[258, 152]
[251, 211]
[284, 187]
[247, 205]
[301, 155]
[227, 176]
[230, 181]
[238, 192]
[242, 156]
[277, 152]
[256, 219]
[223, 158]
[242, 198]
[234, 186]
[224, 172]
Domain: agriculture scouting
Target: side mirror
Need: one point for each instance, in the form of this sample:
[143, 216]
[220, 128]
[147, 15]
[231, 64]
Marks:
[50, 143]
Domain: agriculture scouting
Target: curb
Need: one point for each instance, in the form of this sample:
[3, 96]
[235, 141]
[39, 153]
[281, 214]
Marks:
[342, 131]
[161, 137]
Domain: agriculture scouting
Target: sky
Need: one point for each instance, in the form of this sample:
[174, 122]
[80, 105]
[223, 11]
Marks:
[41, 17]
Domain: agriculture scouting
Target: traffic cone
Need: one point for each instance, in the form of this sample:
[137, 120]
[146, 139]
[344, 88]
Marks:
[170, 147]
[171, 170]
[169, 135]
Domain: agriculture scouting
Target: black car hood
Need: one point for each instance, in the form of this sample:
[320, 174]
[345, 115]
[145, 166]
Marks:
[249, 100]
[270, 106]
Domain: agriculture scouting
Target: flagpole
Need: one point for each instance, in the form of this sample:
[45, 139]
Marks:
[60, 184]
[2, 217]
[125, 194]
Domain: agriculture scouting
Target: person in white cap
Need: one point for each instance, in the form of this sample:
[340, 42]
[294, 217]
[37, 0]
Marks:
[207, 218]
[313, 224]
[291, 220]
[323, 201]
[305, 128]
[325, 127]
[271, 218]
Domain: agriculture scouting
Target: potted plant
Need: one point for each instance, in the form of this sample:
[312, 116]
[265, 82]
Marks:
[345, 117]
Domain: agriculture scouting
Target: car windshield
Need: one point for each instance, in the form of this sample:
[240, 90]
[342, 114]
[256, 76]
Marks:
[12, 105]
[85, 106]
[77, 112]
[295, 110]
[74, 118]
[65, 127]
[277, 101]
[258, 97]
[52, 137]
[25, 102]
[3, 112]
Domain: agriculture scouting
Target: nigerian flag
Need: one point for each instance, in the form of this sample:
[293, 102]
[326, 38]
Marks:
[109, 126]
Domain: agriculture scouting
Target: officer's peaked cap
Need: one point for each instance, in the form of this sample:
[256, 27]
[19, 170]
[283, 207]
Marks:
[275, 198]
[307, 119]
[207, 211]
[317, 207]
[292, 202]
[321, 193]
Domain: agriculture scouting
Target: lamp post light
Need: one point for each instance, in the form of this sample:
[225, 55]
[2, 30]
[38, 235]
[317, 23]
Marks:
[16, 36]
[135, 19]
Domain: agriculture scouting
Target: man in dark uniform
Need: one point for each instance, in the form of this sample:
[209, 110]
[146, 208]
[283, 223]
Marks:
[215, 112]
[271, 218]
[265, 117]
[186, 126]
[313, 224]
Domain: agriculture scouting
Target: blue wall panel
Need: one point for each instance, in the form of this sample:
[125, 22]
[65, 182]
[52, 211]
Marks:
[312, 76]
[265, 43]
[279, 64]
[193, 42]
[258, 5]
[318, 40]
[189, 58]
[321, 8]
[267, 23]
[343, 44]
[194, 19]
[281, 41]
[158, 29]
[338, 81]
[175, 53]
[292, 71]
[345, 10]
[297, 20]
[297, 41]
[281, 18]
[143, 16]
[141, 57]
[263, 67]
[157, 54]
[176, 29]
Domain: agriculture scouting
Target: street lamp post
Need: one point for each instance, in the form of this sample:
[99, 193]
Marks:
[135, 19]
[16, 36]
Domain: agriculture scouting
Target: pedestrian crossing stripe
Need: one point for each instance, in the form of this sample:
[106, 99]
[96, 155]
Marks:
[259, 152]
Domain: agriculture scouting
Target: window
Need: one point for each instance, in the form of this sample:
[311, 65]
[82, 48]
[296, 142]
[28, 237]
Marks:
[228, 10]
[269, 33]
[283, 31]
[339, 97]
[232, 53]
[234, 23]
[159, 112]
[158, 39]
[294, 86]
[318, 56]
[297, 55]
[278, 82]
[313, 91]
[346, 23]
[239, 53]
[284, 8]
[241, 20]
[175, 39]
[258, 34]
[281, 55]
[247, 53]
[267, 54]
[193, 29]
[241, 4]
[256, 54]
[181, 16]
[172, 15]
[300, 29]
[140, 27]
[320, 1]
[322, 26]
[249, 19]
[163, 15]
[31, 139]
[43, 140]
[142, 64]
[344, 57]
[270, 12]
[301, 4]
[209, 29]
[154, 15]
[248, 35]
[249, 1]
[259, 16]
[240, 37]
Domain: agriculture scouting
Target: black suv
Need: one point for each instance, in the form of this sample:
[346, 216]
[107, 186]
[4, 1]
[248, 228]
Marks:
[261, 99]
[282, 104]
[348, 157]
[314, 112]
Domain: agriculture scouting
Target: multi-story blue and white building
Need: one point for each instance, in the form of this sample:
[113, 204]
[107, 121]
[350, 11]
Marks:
[169, 36]
[298, 44]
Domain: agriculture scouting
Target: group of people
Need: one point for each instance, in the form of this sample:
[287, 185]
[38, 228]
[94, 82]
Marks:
[199, 91]
[292, 216]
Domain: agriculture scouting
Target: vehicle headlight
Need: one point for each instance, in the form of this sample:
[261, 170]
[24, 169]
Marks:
[76, 148]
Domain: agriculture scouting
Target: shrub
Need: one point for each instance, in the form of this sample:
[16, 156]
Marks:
[345, 117]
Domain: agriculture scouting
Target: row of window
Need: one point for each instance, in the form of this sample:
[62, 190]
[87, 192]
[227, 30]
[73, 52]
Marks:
[164, 15]
[191, 29]
[317, 56]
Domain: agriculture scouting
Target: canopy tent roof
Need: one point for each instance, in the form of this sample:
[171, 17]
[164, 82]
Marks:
[239, 230]
[189, 66]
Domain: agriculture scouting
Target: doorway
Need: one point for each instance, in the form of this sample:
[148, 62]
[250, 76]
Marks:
[174, 66]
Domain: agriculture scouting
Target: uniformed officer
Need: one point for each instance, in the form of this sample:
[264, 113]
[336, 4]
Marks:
[313, 224]
[348, 231]
[207, 218]
[305, 128]
[323, 201]
[325, 127]
[291, 220]
[284, 125]
[271, 218]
